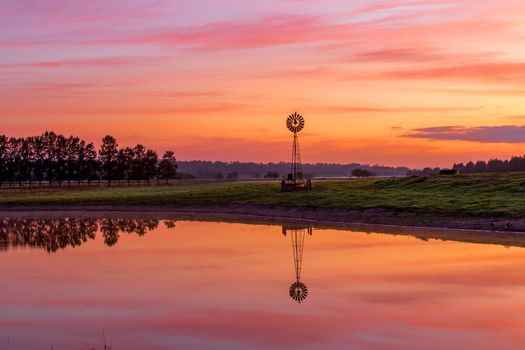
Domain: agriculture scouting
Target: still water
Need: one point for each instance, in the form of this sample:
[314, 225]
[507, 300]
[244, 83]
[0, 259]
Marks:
[153, 284]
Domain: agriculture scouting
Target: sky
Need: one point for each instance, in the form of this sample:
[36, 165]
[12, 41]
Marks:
[414, 83]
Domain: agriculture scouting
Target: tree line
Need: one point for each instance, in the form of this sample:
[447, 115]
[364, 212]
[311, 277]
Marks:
[212, 170]
[362, 173]
[492, 166]
[55, 157]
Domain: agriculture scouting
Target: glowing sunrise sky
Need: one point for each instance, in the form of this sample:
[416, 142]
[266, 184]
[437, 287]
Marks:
[416, 82]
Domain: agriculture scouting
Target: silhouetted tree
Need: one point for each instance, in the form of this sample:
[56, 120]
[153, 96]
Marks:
[232, 175]
[14, 159]
[414, 173]
[429, 171]
[4, 148]
[39, 152]
[26, 159]
[61, 153]
[167, 168]
[362, 173]
[185, 176]
[108, 156]
[73, 157]
[124, 163]
[272, 175]
[49, 144]
[150, 164]
[144, 163]
[137, 162]
[90, 165]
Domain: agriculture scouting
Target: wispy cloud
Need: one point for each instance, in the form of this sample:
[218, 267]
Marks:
[485, 134]
[82, 63]
[400, 54]
[379, 110]
[496, 72]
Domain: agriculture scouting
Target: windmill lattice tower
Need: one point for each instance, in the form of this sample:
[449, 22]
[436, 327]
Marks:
[295, 180]
[295, 123]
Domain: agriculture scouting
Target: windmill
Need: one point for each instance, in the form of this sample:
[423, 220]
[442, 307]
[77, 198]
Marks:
[298, 290]
[295, 180]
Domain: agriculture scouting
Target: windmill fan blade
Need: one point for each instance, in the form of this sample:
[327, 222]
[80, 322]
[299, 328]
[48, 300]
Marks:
[298, 291]
[295, 122]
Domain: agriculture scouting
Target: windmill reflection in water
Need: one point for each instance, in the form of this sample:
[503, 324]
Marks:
[298, 290]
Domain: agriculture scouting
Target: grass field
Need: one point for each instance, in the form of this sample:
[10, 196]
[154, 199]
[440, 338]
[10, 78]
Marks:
[494, 195]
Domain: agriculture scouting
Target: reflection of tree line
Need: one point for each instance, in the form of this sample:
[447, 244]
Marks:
[56, 234]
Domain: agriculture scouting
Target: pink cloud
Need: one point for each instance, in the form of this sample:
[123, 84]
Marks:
[241, 34]
[414, 54]
[82, 63]
[493, 72]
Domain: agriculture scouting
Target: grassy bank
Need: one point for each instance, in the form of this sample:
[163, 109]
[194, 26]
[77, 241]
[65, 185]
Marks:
[486, 195]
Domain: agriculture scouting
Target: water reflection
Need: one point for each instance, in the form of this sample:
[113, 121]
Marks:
[216, 285]
[56, 234]
[298, 290]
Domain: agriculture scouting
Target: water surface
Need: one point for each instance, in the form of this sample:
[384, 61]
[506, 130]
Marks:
[153, 284]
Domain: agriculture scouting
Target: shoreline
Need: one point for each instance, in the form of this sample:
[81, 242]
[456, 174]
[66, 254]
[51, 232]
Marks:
[341, 218]
[506, 238]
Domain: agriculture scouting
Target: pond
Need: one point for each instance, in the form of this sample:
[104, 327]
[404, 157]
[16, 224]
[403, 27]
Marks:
[143, 283]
